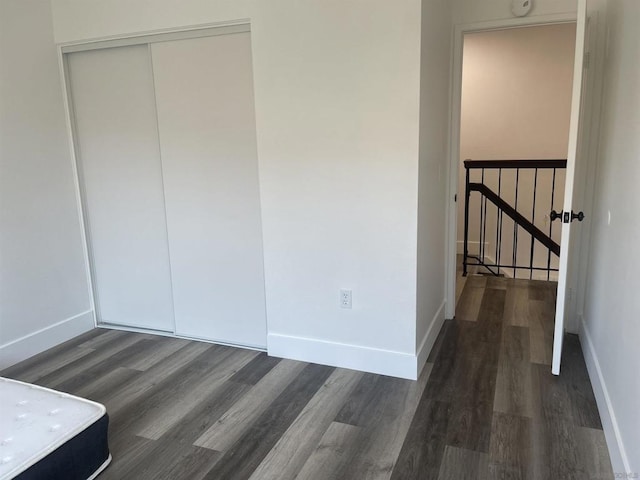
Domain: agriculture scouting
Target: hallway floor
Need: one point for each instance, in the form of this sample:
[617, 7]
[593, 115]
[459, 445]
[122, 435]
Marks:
[486, 405]
[492, 408]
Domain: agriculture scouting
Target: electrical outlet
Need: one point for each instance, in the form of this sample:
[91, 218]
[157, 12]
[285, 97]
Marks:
[345, 298]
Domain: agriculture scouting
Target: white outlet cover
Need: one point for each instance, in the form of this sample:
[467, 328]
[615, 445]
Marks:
[345, 298]
[521, 7]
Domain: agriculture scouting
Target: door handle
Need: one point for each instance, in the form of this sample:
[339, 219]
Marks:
[579, 216]
[567, 219]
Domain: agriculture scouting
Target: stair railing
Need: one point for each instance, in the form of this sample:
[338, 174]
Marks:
[522, 221]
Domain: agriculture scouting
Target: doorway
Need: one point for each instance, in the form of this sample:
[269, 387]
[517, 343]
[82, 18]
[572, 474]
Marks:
[514, 126]
[573, 141]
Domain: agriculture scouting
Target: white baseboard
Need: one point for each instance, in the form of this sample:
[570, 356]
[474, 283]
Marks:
[430, 338]
[617, 452]
[41, 340]
[474, 247]
[356, 357]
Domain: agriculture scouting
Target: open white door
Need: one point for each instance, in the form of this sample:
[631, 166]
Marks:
[568, 215]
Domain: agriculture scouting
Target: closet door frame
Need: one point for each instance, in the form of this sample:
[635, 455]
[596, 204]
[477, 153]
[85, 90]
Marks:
[141, 38]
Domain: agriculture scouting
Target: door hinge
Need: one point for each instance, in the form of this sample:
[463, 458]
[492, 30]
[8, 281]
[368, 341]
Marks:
[586, 60]
[455, 197]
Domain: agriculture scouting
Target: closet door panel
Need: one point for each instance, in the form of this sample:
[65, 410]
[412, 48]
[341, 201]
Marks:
[206, 119]
[121, 178]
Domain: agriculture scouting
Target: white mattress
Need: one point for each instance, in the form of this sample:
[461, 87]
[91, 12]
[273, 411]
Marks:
[34, 421]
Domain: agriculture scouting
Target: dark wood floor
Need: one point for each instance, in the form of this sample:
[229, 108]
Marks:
[485, 407]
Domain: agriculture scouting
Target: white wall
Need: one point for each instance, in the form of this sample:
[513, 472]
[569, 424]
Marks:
[516, 102]
[471, 11]
[77, 20]
[610, 330]
[44, 297]
[435, 58]
[337, 111]
[337, 87]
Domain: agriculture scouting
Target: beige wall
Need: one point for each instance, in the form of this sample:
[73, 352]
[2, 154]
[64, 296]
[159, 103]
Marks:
[516, 100]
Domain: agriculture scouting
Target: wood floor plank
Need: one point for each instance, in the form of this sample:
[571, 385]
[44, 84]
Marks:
[540, 335]
[513, 381]
[593, 459]
[469, 425]
[112, 381]
[492, 306]
[380, 443]
[470, 300]
[504, 472]
[116, 401]
[553, 445]
[511, 442]
[49, 365]
[369, 400]
[127, 454]
[440, 386]
[516, 308]
[295, 446]
[513, 389]
[105, 338]
[499, 283]
[332, 453]
[437, 346]
[554, 450]
[242, 458]
[31, 369]
[167, 460]
[460, 283]
[550, 400]
[77, 367]
[226, 431]
[477, 281]
[466, 370]
[540, 290]
[458, 463]
[166, 392]
[423, 448]
[203, 415]
[24, 370]
[472, 379]
[575, 376]
[257, 368]
[514, 344]
[163, 347]
[187, 391]
[118, 359]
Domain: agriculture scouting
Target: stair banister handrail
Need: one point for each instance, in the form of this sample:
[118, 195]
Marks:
[510, 211]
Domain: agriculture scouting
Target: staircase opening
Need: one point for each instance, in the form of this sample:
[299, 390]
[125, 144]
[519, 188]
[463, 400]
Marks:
[506, 222]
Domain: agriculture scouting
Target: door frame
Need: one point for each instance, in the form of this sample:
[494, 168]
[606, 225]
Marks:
[453, 163]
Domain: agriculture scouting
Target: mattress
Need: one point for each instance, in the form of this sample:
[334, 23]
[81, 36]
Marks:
[45, 434]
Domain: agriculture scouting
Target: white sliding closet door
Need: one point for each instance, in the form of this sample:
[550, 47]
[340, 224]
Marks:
[204, 93]
[121, 178]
